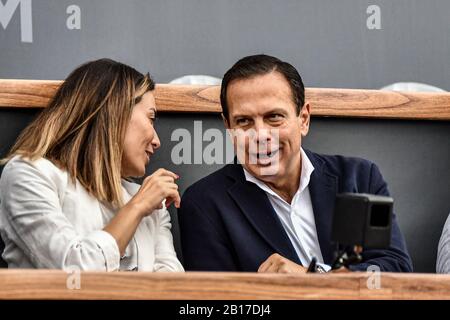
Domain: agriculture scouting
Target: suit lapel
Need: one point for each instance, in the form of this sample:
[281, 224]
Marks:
[323, 188]
[257, 208]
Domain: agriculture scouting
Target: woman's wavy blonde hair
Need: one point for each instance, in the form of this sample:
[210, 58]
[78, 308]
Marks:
[83, 128]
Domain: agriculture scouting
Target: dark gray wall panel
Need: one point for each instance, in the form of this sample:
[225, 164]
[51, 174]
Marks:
[327, 40]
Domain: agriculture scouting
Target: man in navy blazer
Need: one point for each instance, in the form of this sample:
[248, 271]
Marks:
[273, 212]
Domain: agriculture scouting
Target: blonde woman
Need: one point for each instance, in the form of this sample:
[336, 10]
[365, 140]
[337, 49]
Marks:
[65, 196]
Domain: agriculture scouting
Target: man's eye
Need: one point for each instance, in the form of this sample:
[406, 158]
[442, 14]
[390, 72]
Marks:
[275, 117]
[242, 121]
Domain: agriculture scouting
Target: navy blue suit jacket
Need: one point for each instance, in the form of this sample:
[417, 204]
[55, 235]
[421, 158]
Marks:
[228, 224]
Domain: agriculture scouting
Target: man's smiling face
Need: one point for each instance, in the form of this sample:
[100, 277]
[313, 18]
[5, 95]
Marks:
[263, 105]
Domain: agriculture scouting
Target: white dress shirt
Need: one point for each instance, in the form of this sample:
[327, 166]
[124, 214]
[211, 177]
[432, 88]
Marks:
[297, 218]
[46, 221]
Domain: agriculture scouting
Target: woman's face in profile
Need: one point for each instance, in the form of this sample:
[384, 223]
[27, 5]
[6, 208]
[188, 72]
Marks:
[141, 139]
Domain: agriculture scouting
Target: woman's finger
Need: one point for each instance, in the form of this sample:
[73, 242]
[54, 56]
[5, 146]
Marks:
[164, 172]
[174, 197]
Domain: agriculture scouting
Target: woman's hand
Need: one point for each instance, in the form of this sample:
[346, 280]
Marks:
[155, 188]
[279, 264]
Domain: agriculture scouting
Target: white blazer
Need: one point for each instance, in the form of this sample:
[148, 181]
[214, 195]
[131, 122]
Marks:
[46, 221]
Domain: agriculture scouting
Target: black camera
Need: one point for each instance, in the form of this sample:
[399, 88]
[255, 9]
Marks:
[362, 220]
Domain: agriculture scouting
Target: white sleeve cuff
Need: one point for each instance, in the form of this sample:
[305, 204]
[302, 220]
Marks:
[109, 248]
[326, 267]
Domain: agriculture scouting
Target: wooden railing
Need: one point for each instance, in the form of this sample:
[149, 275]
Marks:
[55, 284]
[198, 98]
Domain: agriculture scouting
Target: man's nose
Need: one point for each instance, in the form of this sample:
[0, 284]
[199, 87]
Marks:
[156, 143]
[262, 132]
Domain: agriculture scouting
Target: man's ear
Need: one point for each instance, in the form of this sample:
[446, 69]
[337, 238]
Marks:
[225, 121]
[305, 117]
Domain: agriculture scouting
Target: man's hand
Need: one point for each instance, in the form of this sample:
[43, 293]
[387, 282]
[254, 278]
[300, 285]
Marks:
[278, 264]
[341, 270]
